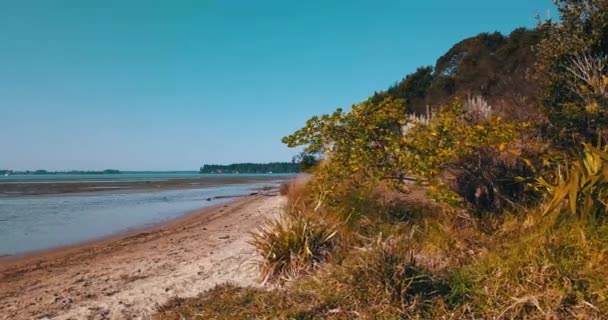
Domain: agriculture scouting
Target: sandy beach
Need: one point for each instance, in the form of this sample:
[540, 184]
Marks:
[127, 276]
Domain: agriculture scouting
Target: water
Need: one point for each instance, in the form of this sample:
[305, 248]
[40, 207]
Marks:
[124, 176]
[30, 223]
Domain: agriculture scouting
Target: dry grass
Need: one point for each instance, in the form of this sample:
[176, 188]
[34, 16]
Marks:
[284, 188]
[527, 269]
[542, 272]
[383, 281]
[408, 258]
[291, 246]
[295, 243]
[234, 303]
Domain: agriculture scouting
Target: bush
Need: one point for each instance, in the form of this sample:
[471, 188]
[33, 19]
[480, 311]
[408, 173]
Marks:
[572, 70]
[584, 186]
[291, 246]
[491, 181]
[469, 154]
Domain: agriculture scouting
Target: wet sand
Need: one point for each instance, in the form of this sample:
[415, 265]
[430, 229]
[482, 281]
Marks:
[20, 188]
[127, 276]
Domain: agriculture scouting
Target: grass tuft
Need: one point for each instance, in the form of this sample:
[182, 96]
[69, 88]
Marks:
[292, 245]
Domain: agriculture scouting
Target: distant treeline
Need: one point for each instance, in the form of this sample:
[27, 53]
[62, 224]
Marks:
[273, 167]
[107, 171]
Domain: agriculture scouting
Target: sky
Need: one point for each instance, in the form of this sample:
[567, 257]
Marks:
[171, 85]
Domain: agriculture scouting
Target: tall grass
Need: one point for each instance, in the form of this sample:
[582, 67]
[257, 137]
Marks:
[292, 245]
[297, 241]
[541, 272]
[477, 108]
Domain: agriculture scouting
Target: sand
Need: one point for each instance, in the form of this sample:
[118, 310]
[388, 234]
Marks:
[128, 276]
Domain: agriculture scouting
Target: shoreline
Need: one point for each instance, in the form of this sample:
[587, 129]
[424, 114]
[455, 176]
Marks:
[115, 236]
[127, 274]
[108, 225]
[10, 189]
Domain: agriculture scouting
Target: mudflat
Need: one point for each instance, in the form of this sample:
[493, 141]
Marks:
[128, 276]
[19, 188]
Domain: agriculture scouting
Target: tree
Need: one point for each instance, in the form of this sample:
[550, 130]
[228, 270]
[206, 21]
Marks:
[492, 65]
[413, 90]
[364, 140]
[379, 143]
[274, 167]
[573, 71]
[306, 160]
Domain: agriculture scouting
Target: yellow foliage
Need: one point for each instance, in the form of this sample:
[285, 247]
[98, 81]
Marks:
[584, 187]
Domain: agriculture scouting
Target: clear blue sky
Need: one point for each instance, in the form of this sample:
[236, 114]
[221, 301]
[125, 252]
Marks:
[158, 85]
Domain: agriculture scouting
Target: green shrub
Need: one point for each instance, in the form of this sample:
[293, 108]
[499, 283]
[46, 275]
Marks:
[376, 143]
[469, 155]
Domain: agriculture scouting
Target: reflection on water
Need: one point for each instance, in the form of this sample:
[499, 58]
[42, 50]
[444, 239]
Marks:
[41, 222]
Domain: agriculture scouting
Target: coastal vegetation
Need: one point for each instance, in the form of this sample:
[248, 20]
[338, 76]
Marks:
[272, 167]
[473, 189]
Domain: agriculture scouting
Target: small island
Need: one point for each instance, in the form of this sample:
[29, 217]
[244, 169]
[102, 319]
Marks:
[272, 167]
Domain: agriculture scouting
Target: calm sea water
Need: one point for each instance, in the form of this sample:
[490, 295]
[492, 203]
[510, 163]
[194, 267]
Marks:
[30, 223]
[124, 176]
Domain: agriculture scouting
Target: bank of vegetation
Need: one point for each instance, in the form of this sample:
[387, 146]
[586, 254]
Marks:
[473, 189]
[272, 167]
